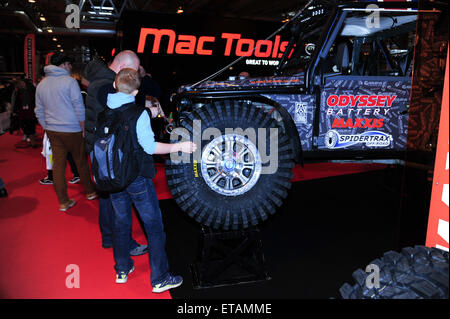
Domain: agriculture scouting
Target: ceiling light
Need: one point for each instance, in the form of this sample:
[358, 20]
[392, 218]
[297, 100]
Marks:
[100, 13]
[61, 50]
[32, 1]
[49, 30]
[102, 8]
[180, 9]
[55, 39]
[42, 18]
[58, 45]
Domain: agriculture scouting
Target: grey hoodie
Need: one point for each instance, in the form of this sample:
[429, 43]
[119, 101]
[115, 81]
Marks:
[59, 104]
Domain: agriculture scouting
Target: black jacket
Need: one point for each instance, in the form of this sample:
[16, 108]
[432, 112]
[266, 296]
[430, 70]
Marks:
[148, 87]
[99, 75]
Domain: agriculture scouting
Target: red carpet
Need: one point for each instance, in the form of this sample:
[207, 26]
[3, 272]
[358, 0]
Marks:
[38, 241]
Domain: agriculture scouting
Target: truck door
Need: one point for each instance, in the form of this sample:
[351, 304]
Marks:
[366, 84]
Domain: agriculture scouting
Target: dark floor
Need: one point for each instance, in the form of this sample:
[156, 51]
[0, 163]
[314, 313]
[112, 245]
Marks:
[324, 231]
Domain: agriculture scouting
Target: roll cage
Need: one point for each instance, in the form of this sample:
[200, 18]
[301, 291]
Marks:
[312, 20]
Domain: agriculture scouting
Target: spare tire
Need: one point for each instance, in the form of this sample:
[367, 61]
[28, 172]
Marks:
[415, 273]
[226, 186]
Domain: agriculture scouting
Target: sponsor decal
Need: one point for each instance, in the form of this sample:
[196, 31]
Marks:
[359, 105]
[300, 115]
[361, 100]
[195, 169]
[357, 123]
[334, 140]
[353, 106]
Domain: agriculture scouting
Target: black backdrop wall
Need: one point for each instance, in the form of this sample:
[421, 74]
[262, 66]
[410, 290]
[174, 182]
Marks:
[213, 43]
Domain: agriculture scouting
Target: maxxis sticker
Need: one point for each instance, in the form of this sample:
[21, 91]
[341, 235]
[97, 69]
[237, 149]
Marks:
[195, 168]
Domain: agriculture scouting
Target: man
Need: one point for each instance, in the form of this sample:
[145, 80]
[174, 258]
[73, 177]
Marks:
[148, 87]
[60, 111]
[24, 108]
[100, 80]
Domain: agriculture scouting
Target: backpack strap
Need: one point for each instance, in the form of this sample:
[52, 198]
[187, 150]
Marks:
[133, 113]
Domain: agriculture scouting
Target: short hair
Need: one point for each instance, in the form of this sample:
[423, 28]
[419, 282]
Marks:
[60, 58]
[127, 80]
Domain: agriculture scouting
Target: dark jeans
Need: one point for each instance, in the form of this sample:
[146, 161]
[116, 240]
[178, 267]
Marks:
[142, 194]
[106, 221]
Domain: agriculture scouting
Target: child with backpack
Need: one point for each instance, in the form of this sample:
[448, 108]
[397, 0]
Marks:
[123, 165]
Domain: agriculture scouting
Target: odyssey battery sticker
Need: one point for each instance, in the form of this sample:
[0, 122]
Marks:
[361, 114]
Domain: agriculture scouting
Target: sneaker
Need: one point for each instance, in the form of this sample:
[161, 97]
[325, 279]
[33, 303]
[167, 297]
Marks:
[169, 283]
[75, 180]
[92, 196]
[66, 206]
[139, 250]
[122, 276]
[46, 181]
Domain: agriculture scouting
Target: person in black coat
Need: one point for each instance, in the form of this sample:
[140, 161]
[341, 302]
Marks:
[24, 107]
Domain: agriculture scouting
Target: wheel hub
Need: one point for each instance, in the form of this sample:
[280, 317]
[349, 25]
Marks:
[231, 164]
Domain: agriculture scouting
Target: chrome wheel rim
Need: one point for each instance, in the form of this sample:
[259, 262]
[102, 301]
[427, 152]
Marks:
[231, 165]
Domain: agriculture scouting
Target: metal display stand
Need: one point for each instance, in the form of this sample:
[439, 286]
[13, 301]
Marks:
[229, 258]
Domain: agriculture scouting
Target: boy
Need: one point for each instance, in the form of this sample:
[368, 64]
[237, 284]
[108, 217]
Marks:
[141, 191]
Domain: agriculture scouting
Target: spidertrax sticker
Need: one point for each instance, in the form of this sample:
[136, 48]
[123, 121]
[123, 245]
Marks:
[335, 140]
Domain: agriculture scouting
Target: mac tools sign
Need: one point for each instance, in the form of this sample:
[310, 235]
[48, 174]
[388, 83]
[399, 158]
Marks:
[193, 47]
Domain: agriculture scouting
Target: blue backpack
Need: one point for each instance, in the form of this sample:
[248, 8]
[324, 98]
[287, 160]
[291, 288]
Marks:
[115, 162]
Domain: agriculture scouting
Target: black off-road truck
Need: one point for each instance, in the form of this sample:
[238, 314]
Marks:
[341, 92]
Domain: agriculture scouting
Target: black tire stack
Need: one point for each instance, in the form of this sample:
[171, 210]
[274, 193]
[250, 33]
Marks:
[416, 273]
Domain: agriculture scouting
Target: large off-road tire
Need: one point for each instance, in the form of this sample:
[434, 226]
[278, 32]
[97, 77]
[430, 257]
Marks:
[226, 187]
[415, 273]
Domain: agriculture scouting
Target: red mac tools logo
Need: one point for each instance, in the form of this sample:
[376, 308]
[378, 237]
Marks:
[361, 100]
[203, 45]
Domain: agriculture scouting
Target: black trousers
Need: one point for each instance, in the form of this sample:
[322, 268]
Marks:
[28, 126]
